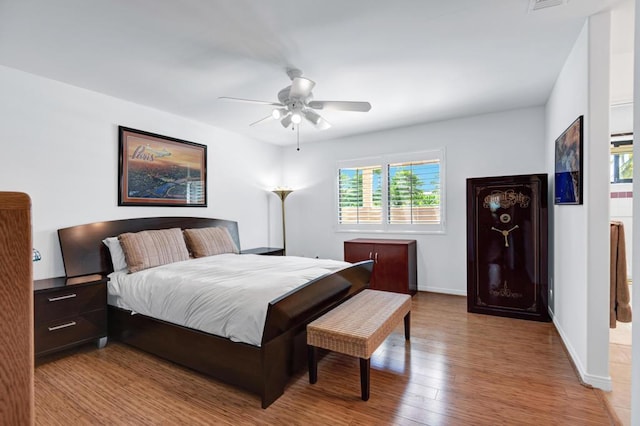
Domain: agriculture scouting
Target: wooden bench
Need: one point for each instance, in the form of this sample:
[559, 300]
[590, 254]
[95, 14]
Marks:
[357, 328]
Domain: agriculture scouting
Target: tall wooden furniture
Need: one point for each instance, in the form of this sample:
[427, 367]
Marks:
[507, 272]
[395, 266]
[16, 310]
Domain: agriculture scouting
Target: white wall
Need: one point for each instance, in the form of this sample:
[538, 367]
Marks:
[621, 208]
[622, 16]
[621, 118]
[580, 259]
[505, 143]
[60, 145]
[635, 351]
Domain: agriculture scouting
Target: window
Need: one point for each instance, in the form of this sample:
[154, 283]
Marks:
[621, 159]
[395, 194]
[359, 195]
[414, 192]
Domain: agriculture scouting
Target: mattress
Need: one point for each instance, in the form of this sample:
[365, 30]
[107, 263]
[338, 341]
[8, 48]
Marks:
[226, 295]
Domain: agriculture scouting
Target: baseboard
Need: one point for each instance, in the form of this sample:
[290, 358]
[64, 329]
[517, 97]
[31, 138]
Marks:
[443, 290]
[586, 379]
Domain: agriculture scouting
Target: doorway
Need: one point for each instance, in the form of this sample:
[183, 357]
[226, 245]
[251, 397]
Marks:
[621, 194]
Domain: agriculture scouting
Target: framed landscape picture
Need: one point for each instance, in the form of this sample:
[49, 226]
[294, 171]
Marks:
[568, 170]
[156, 170]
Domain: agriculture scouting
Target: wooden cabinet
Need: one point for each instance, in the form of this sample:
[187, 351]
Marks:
[16, 306]
[68, 312]
[394, 268]
[507, 246]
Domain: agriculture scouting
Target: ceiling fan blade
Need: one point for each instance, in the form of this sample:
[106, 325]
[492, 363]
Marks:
[341, 105]
[301, 87]
[252, 101]
[268, 117]
[316, 119]
[286, 121]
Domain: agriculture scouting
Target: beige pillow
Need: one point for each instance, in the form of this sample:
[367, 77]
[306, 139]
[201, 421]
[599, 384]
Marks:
[146, 249]
[209, 241]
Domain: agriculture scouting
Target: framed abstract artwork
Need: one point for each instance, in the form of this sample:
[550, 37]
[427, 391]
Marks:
[156, 170]
[568, 170]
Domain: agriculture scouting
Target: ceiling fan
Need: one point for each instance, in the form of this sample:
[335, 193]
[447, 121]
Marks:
[296, 102]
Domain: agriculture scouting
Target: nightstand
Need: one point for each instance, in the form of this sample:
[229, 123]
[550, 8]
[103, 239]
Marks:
[267, 251]
[68, 312]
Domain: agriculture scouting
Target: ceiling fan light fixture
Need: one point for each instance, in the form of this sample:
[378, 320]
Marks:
[296, 101]
[315, 119]
[286, 121]
[278, 113]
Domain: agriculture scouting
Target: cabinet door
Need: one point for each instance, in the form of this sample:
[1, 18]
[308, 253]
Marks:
[507, 246]
[357, 252]
[391, 268]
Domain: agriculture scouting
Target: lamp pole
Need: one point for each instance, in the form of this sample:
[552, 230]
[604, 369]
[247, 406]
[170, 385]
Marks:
[283, 193]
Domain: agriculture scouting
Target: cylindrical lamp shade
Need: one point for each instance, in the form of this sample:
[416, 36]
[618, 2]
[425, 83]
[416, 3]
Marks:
[283, 193]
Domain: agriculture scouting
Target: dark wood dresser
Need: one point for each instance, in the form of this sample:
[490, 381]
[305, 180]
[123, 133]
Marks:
[68, 312]
[395, 265]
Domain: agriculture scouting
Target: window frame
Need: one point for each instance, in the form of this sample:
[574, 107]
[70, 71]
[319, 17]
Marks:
[617, 140]
[351, 164]
[383, 161]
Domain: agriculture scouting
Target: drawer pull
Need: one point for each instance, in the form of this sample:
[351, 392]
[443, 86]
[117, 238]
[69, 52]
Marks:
[58, 327]
[68, 296]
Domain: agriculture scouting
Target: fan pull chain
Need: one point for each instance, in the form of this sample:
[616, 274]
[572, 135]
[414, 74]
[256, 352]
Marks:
[298, 127]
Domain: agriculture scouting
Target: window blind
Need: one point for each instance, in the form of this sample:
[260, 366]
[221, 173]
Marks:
[359, 195]
[414, 192]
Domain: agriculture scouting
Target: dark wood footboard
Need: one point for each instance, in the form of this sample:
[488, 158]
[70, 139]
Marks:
[284, 336]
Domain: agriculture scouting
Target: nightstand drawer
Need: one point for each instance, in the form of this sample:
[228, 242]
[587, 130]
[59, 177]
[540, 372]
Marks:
[68, 301]
[56, 334]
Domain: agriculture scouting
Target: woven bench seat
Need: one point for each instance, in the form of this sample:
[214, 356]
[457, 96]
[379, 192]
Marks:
[357, 328]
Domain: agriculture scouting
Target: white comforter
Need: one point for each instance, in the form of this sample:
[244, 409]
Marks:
[226, 295]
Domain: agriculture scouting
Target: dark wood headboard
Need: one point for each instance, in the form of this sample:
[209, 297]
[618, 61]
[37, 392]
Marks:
[83, 252]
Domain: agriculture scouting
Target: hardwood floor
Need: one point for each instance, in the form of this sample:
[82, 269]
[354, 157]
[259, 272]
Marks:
[458, 369]
[619, 398]
[620, 371]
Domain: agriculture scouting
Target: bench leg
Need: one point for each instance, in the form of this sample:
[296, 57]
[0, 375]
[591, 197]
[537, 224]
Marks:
[313, 363]
[407, 326]
[365, 377]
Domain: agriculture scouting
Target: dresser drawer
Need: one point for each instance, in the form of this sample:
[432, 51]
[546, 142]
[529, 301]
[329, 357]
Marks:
[68, 301]
[55, 334]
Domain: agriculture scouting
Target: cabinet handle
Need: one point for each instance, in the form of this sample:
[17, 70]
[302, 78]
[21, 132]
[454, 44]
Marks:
[68, 296]
[58, 327]
[376, 261]
[370, 255]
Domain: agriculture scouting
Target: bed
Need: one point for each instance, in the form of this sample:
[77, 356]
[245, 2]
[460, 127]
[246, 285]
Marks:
[265, 369]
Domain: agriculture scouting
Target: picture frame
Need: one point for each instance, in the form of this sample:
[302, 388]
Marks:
[157, 170]
[568, 164]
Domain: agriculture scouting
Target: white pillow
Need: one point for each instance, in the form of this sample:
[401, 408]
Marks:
[117, 255]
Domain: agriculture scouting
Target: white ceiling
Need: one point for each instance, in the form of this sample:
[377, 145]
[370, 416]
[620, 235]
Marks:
[413, 60]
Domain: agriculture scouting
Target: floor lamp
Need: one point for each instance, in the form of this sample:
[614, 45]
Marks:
[283, 193]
